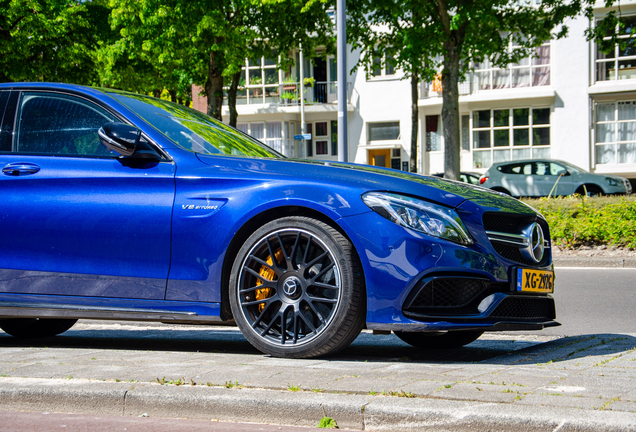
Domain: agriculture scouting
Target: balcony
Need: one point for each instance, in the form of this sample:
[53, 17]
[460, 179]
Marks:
[288, 94]
[434, 89]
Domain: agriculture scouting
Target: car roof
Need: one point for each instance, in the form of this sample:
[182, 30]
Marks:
[520, 161]
[75, 88]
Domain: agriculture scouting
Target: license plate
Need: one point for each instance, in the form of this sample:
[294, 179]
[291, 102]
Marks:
[535, 280]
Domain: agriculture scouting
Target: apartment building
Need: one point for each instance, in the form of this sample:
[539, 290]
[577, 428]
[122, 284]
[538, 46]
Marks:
[568, 102]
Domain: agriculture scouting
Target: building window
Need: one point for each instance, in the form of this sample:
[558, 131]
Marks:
[529, 72]
[321, 148]
[321, 128]
[260, 81]
[616, 133]
[620, 62]
[388, 70]
[465, 133]
[310, 145]
[270, 133]
[433, 134]
[322, 138]
[334, 137]
[385, 131]
[502, 135]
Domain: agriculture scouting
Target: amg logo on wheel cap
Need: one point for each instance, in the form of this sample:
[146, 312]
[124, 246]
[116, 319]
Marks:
[536, 243]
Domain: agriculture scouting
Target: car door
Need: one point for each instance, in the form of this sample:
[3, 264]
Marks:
[517, 178]
[550, 181]
[75, 219]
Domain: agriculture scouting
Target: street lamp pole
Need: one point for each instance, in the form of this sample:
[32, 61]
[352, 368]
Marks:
[341, 29]
[303, 125]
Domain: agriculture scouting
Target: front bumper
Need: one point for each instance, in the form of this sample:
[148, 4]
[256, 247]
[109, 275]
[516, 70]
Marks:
[399, 265]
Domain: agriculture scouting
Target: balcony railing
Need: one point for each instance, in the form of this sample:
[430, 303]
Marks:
[516, 77]
[288, 94]
[434, 89]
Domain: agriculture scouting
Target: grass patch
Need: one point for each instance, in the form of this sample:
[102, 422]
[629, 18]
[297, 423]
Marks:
[402, 393]
[230, 384]
[327, 423]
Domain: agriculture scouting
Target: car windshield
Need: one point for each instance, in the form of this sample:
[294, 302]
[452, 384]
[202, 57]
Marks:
[192, 130]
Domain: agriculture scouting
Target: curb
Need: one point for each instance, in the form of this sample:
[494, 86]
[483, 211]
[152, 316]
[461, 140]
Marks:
[594, 262]
[361, 412]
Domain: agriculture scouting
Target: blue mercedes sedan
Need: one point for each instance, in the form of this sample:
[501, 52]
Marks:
[125, 207]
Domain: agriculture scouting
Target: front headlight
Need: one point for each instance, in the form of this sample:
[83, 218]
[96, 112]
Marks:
[423, 216]
[611, 181]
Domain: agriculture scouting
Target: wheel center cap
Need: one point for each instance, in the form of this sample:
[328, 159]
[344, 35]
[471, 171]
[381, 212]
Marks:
[291, 286]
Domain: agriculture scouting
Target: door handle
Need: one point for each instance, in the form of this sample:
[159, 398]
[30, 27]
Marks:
[20, 168]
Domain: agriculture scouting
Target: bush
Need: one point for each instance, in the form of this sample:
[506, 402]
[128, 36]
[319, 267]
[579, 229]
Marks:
[578, 220]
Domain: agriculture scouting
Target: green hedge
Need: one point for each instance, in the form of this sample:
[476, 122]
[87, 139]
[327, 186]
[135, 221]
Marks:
[577, 220]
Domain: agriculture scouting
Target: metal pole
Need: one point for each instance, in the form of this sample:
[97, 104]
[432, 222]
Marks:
[303, 150]
[341, 29]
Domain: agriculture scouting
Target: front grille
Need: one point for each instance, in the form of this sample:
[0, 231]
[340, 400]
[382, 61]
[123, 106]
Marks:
[506, 222]
[505, 232]
[513, 307]
[449, 292]
[509, 252]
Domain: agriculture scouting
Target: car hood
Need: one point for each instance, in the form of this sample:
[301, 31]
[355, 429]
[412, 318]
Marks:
[371, 178]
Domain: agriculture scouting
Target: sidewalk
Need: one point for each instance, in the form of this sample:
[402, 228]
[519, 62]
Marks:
[594, 261]
[512, 383]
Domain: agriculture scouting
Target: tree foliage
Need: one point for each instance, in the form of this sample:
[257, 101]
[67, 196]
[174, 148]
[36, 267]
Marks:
[50, 40]
[459, 33]
[177, 42]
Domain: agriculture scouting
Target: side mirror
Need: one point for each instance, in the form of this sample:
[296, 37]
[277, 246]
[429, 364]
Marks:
[563, 173]
[120, 138]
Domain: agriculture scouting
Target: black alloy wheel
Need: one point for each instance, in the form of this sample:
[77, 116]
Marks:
[297, 289]
[440, 340]
[36, 327]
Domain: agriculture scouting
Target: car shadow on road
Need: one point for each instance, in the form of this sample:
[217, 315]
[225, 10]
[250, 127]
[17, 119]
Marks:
[499, 349]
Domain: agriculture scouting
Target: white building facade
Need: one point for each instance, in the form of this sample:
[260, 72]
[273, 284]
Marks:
[569, 102]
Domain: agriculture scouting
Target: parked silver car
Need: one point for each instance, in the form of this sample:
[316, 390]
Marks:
[542, 177]
[465, 177]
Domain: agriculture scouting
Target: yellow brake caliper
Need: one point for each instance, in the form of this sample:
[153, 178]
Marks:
[269, 274]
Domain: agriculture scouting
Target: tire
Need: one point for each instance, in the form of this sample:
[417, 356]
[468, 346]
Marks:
[438, 340]
[592, 190]
[307, 302]
[36, 327]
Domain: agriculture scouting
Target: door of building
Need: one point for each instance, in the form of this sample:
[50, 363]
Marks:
[380, 158]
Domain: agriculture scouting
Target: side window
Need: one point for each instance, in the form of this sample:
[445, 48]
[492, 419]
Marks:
[527, 169]
[543, 168]
[50, 123]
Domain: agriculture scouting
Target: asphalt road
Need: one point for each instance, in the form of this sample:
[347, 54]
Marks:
[591, 301]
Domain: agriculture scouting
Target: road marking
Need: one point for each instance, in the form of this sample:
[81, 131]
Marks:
[594, 268]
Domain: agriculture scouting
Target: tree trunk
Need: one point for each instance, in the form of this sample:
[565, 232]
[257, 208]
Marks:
[231, 98]
[415, 117]
[173, 95]
[156, 93]
[214, 85]
[450, 109]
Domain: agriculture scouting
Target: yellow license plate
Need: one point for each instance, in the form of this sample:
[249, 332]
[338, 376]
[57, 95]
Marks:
[535, 280]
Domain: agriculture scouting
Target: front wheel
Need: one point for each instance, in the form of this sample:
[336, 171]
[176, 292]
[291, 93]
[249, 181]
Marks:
[296, 289]
[35, 327]
[440, 340]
